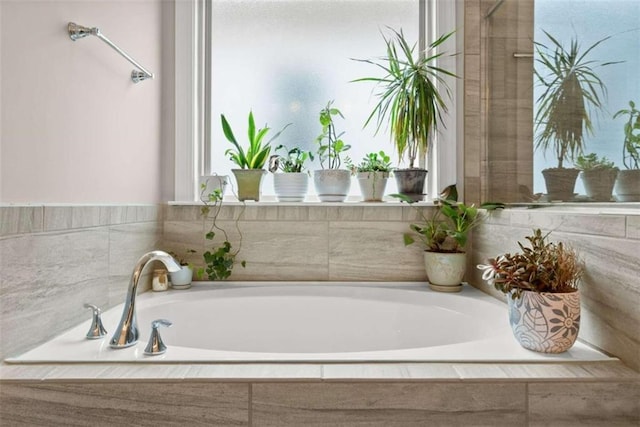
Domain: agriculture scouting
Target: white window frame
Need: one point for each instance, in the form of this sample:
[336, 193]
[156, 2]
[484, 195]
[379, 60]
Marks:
[192, 106]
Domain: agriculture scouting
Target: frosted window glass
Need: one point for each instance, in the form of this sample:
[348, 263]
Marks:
[286, 59]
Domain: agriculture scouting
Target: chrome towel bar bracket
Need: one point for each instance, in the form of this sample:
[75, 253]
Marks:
[78, 31]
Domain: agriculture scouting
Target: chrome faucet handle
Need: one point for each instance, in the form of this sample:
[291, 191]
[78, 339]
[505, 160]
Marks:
[155, 345]
[96, 330]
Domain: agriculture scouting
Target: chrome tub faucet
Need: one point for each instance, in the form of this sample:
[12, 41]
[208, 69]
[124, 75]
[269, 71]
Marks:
[127, 333]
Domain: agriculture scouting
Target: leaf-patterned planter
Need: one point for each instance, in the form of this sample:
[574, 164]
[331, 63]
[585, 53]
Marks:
[545, 322]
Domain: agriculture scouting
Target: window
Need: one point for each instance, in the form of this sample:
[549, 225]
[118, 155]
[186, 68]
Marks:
[284, 60]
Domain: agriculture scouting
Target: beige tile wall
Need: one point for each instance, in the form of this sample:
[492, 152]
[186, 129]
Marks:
[53, 259]
[498, 110]
[350, 242]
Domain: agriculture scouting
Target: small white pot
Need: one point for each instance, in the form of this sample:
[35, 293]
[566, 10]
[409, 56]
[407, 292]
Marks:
[182, 279]
[332, 185]
[291, 186]
[208, 184]
[445, 270]
[372, 185]
[545, 322]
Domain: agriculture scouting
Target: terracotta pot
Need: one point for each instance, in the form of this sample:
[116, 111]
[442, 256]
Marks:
[372, 185]
[445, 270]
[545, 322]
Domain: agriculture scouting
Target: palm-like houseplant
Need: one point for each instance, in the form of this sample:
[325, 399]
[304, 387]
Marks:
[571, 90]
[250, 160]
[411, 100]
[628, 182]
[542, 284]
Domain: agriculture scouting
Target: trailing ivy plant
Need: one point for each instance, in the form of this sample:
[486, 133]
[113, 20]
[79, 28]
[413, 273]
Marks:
[219, 260]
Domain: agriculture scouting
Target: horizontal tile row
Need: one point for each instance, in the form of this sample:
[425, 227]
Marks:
[36, 219]
[610, 371]
[310, 404]
[302, 212]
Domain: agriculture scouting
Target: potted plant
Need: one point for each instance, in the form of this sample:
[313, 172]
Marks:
[220, 259]
[628, 182]
[212, 183]
[331, 182]
[182, 279]
[542, 284]
[598, 176]
[444, 235]
[372, 173]
[411, 101]
[252, 160]
[290, 185]
[570, 89]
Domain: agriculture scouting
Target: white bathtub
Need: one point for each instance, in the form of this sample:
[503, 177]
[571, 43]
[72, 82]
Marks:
[314, 322]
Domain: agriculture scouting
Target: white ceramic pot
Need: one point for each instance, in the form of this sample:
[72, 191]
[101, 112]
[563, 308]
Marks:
[208, 184]
[291, 187]
[182, 279]
[445, 270]
[372, 185]
[545, 322]
[332, 185]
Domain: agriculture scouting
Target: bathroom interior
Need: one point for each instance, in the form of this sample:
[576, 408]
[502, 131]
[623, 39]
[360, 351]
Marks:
[97, 170]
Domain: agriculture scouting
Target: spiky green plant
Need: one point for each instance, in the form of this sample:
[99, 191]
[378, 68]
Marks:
[257, 153]
[571, 90]
[410, 100]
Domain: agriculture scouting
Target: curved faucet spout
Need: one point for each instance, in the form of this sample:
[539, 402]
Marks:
[127, 334]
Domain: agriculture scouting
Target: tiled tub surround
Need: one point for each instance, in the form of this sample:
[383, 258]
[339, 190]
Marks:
[603, 393]
[54, 258]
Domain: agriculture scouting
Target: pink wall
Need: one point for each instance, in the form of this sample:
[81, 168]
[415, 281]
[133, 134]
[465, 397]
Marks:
[74, 128]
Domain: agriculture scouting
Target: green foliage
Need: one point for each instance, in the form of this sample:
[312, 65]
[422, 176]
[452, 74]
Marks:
[330, 144]
[591, 162]
[372, 162]
[631, 146]
[541, 267]
[220, 259]
[293, 160]
[447, 230]
[257, 153]
[409, 99]
[570, 89]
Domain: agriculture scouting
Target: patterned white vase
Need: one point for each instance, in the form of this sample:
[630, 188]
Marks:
[545, 322]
